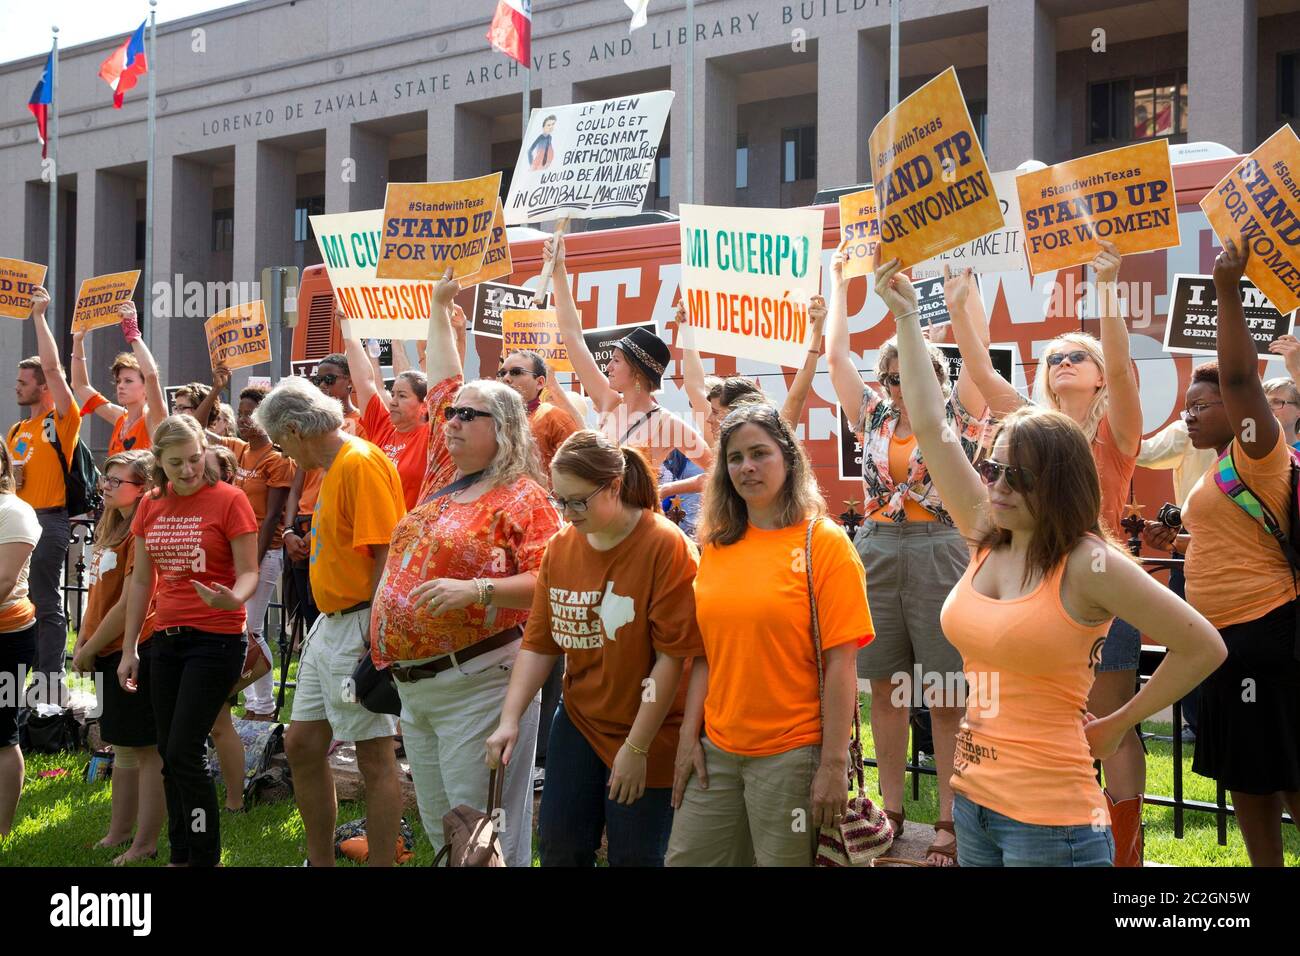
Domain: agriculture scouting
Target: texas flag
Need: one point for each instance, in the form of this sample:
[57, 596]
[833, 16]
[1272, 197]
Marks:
[124, 66]
[512, 28]
[39, 104]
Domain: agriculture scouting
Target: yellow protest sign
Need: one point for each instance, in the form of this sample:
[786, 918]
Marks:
[238, 336]
[496, 261]
[99, 299]
[538, 330]
[17, 280]
[1259, 203]
[933, 185]
[1125, 196]
[430, 226]
[860, 228]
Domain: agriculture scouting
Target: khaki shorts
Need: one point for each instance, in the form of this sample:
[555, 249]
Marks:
[324, 690]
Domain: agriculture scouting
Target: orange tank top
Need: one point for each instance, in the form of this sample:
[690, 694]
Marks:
[1021, 750]
[900, 464]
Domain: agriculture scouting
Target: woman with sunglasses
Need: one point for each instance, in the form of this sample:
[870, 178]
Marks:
[1093, 382]
[912, 554]
[1028, 617]
[457, 587]
[614, 598]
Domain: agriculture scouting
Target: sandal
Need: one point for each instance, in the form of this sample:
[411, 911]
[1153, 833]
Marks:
[949, 851]
[898, 820]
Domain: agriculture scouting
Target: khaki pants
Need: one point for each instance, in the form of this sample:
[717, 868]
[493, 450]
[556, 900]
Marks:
[756, 809]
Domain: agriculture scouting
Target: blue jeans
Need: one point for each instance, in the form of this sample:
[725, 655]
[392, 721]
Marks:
[987, 838]
[576, 807]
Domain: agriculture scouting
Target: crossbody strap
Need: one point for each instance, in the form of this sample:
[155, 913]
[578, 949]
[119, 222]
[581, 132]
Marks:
[1230, 482]
[460, 484]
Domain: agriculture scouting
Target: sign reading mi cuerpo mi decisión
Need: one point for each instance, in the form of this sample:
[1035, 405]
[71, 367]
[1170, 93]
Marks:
[587, 160]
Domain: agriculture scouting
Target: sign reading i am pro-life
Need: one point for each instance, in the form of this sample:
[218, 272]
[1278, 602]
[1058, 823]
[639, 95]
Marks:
[747, 278]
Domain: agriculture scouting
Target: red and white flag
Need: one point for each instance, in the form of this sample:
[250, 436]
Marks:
[511, 30]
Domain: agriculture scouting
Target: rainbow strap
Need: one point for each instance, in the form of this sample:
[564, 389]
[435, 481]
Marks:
[1230, 483]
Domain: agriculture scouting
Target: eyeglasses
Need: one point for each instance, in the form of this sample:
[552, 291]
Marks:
[576, 505]
[512, 372]
[180, 409]
[891, 379]
[112, 484]
[1020, 480]
[1197, 410]
[1077, 357]
[319, 380]
[464, 413]
[1281, 403]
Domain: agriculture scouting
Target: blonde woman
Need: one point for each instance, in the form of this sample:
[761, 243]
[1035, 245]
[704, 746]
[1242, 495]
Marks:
[127, 721]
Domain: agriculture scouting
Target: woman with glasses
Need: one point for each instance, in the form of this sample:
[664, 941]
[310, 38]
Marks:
[912, 554]
[614, 598]
[1029, 616]
[126, 720]
[457, 587]
[1284, 401]
[1093, 382]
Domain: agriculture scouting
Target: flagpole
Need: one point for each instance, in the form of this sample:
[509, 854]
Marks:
[690, 101]
[51, 274]
[146, 313]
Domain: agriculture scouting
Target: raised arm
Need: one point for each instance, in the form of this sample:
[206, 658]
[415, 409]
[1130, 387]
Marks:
[957, 290]
[364, 382]
[155, 400]
[570, 323]
[441, 355]
[797, 397]
[1123, 404]
[845, 379]
[458, 323]
[970, 328]
[220, 378]
[1243, 393]
[963, 493]
[1288, 346]
[697, 393]
[60, 390]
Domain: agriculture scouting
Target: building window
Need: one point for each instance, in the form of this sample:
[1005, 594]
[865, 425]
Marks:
[1288, 87]
[305, 207]
[1138, 108]
[979, 117]
[798, 154]
[223, 230]
[663, 174]
[742, 161]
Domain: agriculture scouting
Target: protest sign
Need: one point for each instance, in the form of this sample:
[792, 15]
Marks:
[1192, 328]
[587, 160]
[430, 226]
[860, 228]
[1002, 356]
[1001, 250]
[930, 303]
[305, 368]
[99, 299]
[933, 188]
[600, 342]
[538, 330]
[372, 307]
[850, 449]
[490, 300]
[17, 280]
[1125, 196]
[1259, 203]
[747, 277]
[496, 261]
[238, 337]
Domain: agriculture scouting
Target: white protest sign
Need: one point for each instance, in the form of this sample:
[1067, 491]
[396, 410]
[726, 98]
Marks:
[1002, 250]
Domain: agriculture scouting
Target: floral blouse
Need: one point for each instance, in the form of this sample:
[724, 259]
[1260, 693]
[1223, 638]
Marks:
[501, 534]
[875, 429]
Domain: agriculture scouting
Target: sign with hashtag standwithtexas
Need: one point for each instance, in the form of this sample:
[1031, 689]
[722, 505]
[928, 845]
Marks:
[18, 279]
[933, 186]
[99, 299]
[238, 337]
[536, 330]
[496, 261]
[860, 232]
[431, 226]
[1125, 196]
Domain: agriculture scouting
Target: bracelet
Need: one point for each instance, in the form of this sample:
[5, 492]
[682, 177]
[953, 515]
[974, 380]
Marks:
[635, 749]
[906, 315]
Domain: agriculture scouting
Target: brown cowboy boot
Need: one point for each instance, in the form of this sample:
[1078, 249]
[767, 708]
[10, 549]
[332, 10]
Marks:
[1126, 829]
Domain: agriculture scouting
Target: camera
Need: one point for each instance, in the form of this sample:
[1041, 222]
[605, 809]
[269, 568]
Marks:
[1170, 515]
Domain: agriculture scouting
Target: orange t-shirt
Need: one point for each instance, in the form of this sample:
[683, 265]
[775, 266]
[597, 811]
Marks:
[188, 539]
[1021, 750]
[313, 478]
[1115, 472]
[609, 613]
[1235, 570]
[257, 473]
[29, 445]
[900, 459]
[359, 504]
[18, 523]
[407, 450]
[129, 439]
[751, 601]
[550, 425]
[108, 571]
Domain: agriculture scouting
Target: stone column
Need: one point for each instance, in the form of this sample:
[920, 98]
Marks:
[1022, 84]
[1222, 67]
[356, 169]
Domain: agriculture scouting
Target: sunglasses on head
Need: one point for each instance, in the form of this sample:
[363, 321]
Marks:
[1020, 480]
[1076, 357]
[329, 379]
[891, 380]
[464, 413]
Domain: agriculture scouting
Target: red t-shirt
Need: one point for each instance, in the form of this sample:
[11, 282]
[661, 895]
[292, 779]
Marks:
[188, 539]
[407, 450]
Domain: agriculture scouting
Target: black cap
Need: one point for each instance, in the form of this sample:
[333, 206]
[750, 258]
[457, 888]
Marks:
[647, 352]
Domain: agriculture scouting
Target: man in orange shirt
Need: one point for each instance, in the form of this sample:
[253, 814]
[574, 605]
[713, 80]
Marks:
[52, 426]
[525, 371]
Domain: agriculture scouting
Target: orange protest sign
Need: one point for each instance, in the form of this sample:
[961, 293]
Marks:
[99, 299]
[1125, 196]
[861, 230]
[496, 261]
[430, 226]
[1259, 203]
[538, 330]
[17, 280]
[238, 336]
[933, 185]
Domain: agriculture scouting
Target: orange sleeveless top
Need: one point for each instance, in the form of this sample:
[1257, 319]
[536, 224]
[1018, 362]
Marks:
[1021, 751]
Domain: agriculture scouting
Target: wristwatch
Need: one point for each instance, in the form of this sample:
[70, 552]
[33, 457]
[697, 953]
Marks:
[489, 592]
